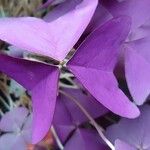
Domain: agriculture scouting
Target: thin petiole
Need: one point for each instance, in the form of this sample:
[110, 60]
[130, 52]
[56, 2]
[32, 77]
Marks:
[58, 141]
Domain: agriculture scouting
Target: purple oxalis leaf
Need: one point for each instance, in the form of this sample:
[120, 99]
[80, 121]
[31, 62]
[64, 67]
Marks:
[51, 2]
[94, 108]
[15, 119]
[66, 125]
[121, 0]
[63, 125]
[137, 80]
[17, 125]
[12, 141]
[41, 80]
[133, 132]
[85, 139]
[71, 114]
[111, 8]
[49, 40]
[137, 54]
[94, 62]
[140, 32]
[138, 47]
[101, 16]
[140, 21]
[130, 8]
[120, 145]
[34, 76]
[92, 65]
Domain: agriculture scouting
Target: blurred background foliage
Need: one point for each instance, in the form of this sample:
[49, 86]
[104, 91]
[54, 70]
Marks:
[20, 8]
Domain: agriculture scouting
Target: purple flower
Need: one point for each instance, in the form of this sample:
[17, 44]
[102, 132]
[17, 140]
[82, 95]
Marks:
[17, 127]
[92, 64]
[132, 133]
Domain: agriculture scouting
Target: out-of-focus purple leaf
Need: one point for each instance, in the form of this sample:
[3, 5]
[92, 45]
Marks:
[101, 16]
[137, 69]
[12, 141]
[64, 124]
[133, 132]
[141, 32]
[120, 145]
[13, 119]
[19, 135]
[71, 115]
[85, 139]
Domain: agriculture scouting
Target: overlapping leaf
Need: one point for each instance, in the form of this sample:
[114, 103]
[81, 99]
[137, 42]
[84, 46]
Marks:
[120, 145]
[85, 139]
[134, 133]
[130, 8]
[41, 80]
[68, 118]
[137, 69]
[94, 62]
[49, 40]
[17, 125]
[71, 115]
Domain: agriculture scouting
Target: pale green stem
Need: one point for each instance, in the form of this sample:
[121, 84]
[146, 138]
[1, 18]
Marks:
[58, 141]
